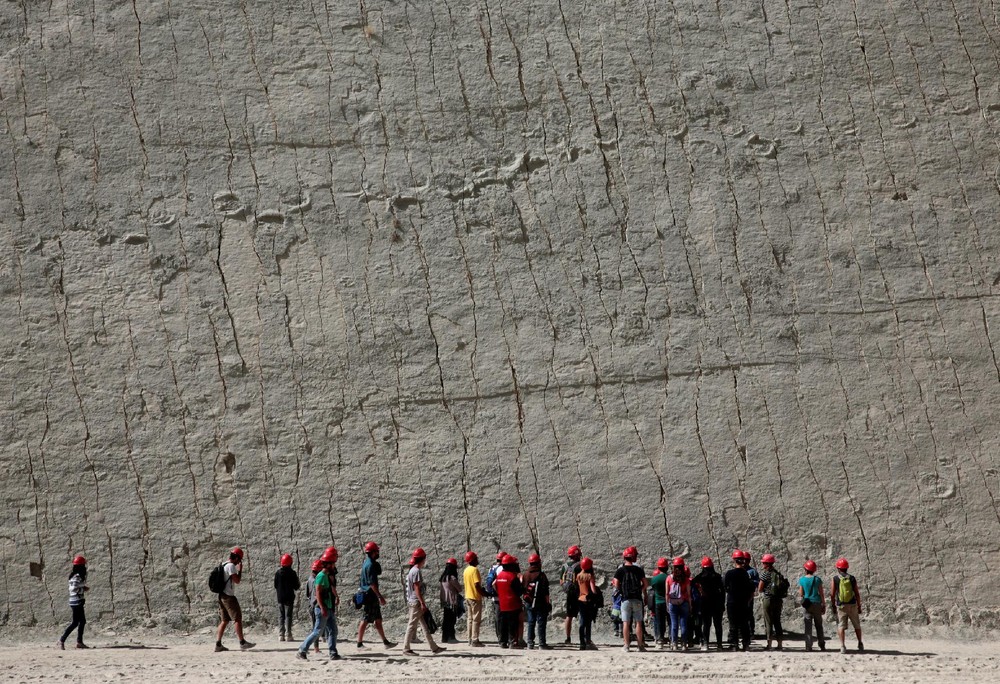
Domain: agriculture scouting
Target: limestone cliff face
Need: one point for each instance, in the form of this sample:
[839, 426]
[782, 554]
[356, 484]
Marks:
[526, 273]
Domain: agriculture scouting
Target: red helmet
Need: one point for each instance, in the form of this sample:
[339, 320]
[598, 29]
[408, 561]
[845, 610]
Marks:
[286, 560]
[737, 555]
[706, 562]
[330, 555]
[767, 559]
[509, 560]
[574, 552]
[842, 563]
[418, 555]
[317, 565]
[534, 559]
[237, 551]
[747, 557]
[500, 556]
[371, 547]
[471, 556]
[809, 566]
[678, 562]
[586, 565]
[79, 560]
[662, 563]
[451, 561]
[630, 554]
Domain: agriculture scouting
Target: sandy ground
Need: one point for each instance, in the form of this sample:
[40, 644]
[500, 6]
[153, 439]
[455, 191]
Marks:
[191, 659]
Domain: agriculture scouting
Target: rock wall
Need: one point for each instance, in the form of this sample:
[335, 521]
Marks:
[522, 274]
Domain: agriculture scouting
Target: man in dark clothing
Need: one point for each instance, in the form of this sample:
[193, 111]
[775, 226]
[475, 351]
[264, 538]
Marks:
[630, 580]
[739, 602]
[286, 583]
[536, 601]
[371, 606]
[713, 601]
[567, 580]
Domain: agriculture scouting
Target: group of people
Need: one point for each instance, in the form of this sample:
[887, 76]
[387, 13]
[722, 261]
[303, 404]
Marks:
[683, 608]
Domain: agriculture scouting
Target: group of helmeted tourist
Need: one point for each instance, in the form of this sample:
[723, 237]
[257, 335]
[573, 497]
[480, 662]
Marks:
[682, 607]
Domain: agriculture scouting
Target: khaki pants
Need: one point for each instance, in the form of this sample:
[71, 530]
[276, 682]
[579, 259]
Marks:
[417, 619]
[474, 610]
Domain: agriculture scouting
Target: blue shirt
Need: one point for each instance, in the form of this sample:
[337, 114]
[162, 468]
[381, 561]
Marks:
[810, 588]
[370, 570]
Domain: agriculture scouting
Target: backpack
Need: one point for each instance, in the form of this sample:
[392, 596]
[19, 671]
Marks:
[779, 585]
[845, 590]
[631, 585]
[217, 579]
[568, 576]
[491, 577]
[675, 592]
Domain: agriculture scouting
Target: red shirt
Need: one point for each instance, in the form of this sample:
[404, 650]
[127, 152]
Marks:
[508, 588]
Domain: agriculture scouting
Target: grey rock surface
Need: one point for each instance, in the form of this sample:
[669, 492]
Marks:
[522, 274]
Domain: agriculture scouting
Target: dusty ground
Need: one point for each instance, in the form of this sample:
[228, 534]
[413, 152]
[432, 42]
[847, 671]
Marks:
[191, 659]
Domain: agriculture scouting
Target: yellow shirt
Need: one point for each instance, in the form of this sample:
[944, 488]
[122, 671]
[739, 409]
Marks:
[471, 577]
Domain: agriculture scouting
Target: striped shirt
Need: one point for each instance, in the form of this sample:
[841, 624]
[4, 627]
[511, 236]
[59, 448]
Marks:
[76, 587]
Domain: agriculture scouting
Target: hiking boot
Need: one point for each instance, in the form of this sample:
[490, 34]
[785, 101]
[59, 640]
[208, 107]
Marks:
[301, 655]
[822, 645]
[62, 645]
[80, 644]
[219, 648]
[568, 641]
[246, 645]
[335, 656]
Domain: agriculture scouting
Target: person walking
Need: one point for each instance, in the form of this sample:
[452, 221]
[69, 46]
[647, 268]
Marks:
[327, 600]
[772, 590]
[739, 597]
[473, 598]
[658, 590]
[584, 591]
[508, 588]
[371, 606]
[451, 600]
[416, 593]
[813, 604]
[286, 583]
[317, 567]
[77, 598]
[679, 603]
[631, 582]
[537, 601]
[755, 579]
[567, 582]
[713, 602]
[846, 601]
[229, 606]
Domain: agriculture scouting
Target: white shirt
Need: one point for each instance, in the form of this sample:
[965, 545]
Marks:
[230, 569]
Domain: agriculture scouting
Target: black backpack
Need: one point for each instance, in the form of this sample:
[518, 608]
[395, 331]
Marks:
[779, 585]
[217, 579]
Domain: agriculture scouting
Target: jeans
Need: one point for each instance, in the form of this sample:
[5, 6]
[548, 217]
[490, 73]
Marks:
[329, 621]
[739, 624]
[474, 613]
[496, 618]
[814, 613]
[711, 614]
[679, 622]
[537, 617]
[585, 617]
[285, 618]
[661, 623]
[79, 620]
[772, 617]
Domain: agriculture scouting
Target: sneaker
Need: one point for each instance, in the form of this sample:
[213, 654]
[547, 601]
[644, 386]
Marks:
[281, 638]
[389, 644]
[843, 649]
[568, 641]
[531, 645]
[80, 644]
[246, 645]
[219, 648]
[704, 647]
[290, 637]
[583, 647]
[627, 648]
[301, 655]
[409, 651]
[591, 646]
[545, 647]
[822, 645]
[642, 647]
[62, 645]
[437, 650]
[335, 656]
[361, 645]
[861, 647]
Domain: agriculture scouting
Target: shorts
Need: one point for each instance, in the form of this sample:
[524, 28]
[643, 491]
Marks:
[229, 609]
[572, 607]
[371, 609]
[631, 610]
[848, 613]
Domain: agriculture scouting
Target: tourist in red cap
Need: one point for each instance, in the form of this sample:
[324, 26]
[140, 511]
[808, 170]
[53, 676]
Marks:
[713, 602]
[772, 588]
[537, 601]
[846, 601]
[77, 590]
[451, 600]
[286, 583]
[630, 580]
[567, 581]
[416, 599]
[327, 601]
[371, 605]
[229, 606]
[474, 593]
[813, 604]
[508, 588]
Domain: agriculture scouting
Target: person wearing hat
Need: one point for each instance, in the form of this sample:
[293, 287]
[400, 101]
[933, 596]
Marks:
[813, 604]
[846, 601]
[679, 603]
[371, 606]
[286, 583]
[77, 590]
[473, 598]
[317, 567]
[713, 602]
[537, 601]
[658, 591]
[451, 600]
[739, 599]
[567, 581]
[585, 591]
[229, 606]
[509, 590]
[417, 603]
[630, 580]
[771, 601]
[490, 590]
[327, 599]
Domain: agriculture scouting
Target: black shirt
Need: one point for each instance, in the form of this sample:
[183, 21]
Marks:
[739, 586]
[286, 583]
[630, 579]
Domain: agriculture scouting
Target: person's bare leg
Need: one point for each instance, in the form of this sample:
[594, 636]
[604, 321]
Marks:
[239, 631]
[361, 631]
[640, 637]
[569, 629]
[380, 630]
[627, 634]
[222, 630]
